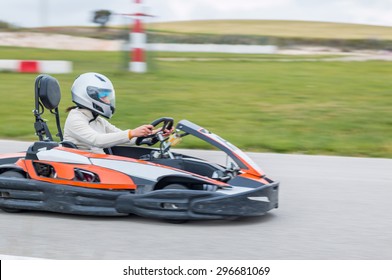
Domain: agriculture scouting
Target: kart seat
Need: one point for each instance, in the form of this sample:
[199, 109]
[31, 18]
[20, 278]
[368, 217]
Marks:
[68, 144]
[47, 95]
[48, 91]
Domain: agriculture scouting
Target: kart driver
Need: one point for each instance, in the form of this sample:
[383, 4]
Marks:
[94, 96]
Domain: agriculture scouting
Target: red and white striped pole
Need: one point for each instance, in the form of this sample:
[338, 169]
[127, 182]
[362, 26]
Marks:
[137, 39]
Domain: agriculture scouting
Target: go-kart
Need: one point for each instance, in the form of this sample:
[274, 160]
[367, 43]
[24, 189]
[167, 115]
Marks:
[154, 182]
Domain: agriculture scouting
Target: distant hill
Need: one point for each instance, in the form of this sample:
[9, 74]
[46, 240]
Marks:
[274, 32]
[276, 28]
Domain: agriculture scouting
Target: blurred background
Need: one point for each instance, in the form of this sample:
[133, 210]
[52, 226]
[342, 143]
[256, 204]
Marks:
[281, 79]
[64, 13]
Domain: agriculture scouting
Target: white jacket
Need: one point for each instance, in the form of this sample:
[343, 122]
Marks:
[92, 136]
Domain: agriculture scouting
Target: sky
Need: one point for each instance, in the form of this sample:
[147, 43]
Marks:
[33, 13]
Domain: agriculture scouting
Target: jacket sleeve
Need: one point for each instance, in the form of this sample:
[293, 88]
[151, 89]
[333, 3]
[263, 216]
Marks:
[109, 128]
[80, 129]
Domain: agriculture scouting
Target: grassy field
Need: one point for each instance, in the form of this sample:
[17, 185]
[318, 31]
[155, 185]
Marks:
[333, 108]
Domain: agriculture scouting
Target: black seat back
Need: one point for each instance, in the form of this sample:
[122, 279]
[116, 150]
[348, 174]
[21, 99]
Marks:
[47, 95]
[48, 89]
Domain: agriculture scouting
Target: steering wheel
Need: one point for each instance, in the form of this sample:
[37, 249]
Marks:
[153, 138]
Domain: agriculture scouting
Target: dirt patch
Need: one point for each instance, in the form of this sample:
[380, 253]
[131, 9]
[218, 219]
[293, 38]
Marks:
[57, 41]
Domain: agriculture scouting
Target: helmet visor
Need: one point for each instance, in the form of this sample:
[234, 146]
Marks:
[103, 95]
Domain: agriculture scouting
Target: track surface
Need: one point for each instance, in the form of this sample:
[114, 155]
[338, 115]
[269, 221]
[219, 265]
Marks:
[330, 208]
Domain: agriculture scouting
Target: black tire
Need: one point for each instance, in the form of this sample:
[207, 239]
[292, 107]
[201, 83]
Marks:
[175, 187]
[12, 174]
[11, 210]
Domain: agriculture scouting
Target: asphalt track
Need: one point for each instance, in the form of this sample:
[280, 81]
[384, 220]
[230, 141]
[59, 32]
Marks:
[330, 208]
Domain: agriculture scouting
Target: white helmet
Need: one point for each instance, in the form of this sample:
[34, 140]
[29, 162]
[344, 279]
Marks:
[95, 92]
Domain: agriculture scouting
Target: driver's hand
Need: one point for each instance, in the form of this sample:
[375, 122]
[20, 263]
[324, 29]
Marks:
[166, 132]
[142, 131]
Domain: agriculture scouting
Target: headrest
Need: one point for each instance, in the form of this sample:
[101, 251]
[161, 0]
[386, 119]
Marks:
[48, 91]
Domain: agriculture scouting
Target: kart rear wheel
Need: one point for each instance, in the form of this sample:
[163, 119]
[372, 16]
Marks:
[11, 174]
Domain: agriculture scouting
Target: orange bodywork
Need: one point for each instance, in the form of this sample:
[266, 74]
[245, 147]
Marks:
[105, 156]
[65, 174]
[108, 178]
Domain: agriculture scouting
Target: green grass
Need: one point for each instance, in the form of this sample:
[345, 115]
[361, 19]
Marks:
[333, 108]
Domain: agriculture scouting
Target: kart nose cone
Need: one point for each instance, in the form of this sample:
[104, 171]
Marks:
[251, 203]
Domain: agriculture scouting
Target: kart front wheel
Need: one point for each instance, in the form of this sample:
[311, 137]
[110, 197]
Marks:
[175, 187]
[11, 174]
